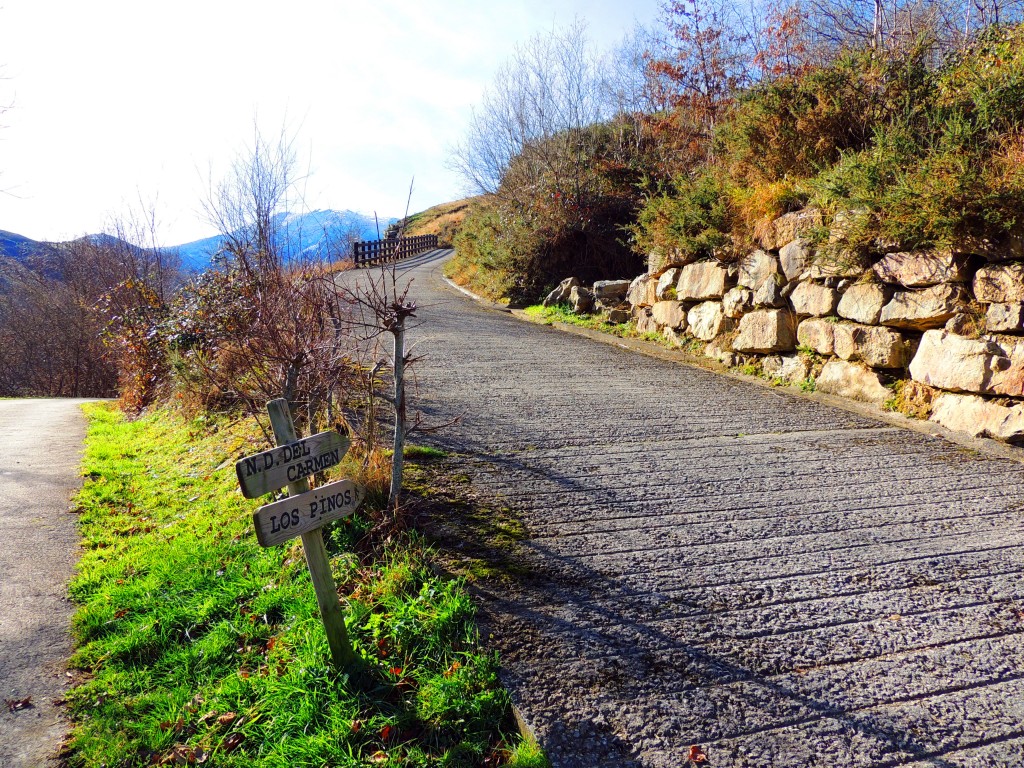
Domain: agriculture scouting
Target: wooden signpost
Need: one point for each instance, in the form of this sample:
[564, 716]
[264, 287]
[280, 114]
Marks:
[304, 511]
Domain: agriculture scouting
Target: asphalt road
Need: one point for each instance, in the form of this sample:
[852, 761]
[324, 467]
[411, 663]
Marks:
[38, 540]
[715, 563]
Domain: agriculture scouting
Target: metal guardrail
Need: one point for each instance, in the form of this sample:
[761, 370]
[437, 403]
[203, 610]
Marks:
[370, 252]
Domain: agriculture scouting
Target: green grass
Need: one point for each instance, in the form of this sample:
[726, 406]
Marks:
[198, 644]
[563, 314]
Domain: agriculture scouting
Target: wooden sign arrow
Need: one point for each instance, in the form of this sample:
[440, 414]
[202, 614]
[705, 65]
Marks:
[295, 515]
[262, 473]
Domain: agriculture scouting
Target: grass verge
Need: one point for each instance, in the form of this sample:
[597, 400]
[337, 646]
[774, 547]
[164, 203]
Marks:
[198, 646]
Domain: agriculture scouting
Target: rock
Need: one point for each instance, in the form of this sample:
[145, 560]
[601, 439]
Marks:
[1005, 318]
[1000, 283]
[875, 346]
[670, 313]
[863, 302]
[581, 300]
[795, 258]
[561, 294]
[644, 319]
[791, 368]
[737, 301]
[814, 299]
[716, 351]
[848, 223]
[839, 263]
[666, 286]
[757, 267]
[766, 330]
[817, 334]
[964, 324]
[617, 316]
[700, 281]
[658, 260]
[982, 366]
[674, 337]
[771, 293]
[918, 269]
[642, 290]
[851, 380]
[924, 309]
[979, 417]
[707, 320]
[790, 226]
[611, 290]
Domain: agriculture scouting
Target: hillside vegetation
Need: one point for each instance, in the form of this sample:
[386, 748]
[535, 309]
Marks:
[912, 143]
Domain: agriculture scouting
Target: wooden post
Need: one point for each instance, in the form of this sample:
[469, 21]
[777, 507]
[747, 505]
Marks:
[398, 454]
[316, 553]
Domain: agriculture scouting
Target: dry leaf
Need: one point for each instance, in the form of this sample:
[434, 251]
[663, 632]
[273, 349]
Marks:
[696, 754]
[13, 705]
[227, 718]
[232, 742]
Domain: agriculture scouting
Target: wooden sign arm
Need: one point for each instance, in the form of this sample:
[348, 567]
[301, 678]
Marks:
[315, 551]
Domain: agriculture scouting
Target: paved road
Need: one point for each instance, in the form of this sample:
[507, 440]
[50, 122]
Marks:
[716, 563]
[42, 442]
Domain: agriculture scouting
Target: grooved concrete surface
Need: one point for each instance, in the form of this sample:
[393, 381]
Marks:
[716, 563]
[38, 542]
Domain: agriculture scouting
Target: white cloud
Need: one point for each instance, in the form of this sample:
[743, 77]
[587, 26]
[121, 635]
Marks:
[115, 99]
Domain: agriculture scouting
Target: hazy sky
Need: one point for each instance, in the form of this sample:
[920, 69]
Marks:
[112, 102]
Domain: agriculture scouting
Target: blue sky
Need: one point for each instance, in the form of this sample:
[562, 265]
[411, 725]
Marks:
[112, 103]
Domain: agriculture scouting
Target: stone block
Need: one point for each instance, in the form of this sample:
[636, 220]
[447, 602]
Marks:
[737, 301]
[817, 334]
[1005, 318]
[795, 258]
[1000, 283]
[790, 368]
[863, 302]
[925, 309]
[875, 346]
[757, 267]
[852, 380]
[919, 269]
[706, 321]
[814, 299]
[581, 300]
[561, 294]
[702, 280]
[642, 291]
[979, 417]
[670, 313]
[611, 290]
[766, 330]
[790, 226]
[981, 366]
[666, 286]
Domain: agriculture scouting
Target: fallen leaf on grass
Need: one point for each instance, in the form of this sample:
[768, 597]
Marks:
[13, 705]
[696, 754]
[379, 757]
[208, 716]
[181, 754]
[356, 725]
[385, 732]
[227, 718]
[232, 742]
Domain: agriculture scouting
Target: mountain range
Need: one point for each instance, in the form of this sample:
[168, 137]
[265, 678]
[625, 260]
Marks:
[315, 234]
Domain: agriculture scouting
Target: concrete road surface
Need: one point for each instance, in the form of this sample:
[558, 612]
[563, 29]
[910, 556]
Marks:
[40, 450]
[715, 563]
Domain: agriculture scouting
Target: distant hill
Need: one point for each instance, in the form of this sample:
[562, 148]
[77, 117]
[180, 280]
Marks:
[317, 234]
[443, 220]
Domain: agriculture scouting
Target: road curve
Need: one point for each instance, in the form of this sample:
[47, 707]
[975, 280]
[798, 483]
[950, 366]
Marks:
[723, 565]
[38, 473]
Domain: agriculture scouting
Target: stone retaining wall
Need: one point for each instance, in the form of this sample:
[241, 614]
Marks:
[937, 333]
